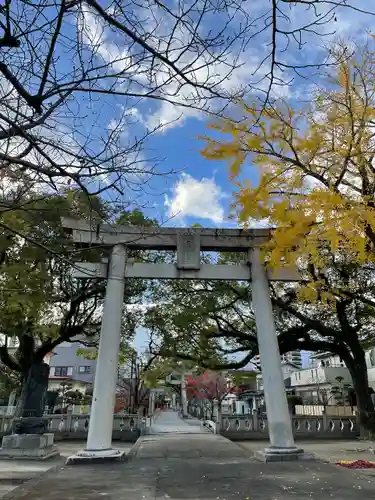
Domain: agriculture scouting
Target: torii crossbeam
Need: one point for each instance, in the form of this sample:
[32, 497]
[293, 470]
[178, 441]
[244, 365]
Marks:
[187, 242]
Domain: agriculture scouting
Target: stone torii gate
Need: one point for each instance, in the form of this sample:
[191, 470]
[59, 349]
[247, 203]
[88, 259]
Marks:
[188, 243]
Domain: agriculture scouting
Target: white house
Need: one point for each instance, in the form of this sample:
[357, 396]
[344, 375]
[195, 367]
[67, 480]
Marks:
[287, 368]
[331, 361]
[314, 384]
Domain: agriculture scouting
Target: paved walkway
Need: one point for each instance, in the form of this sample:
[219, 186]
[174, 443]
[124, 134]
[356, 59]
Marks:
[17, 472]
[168, 422]
[182, 465]
[329, 451]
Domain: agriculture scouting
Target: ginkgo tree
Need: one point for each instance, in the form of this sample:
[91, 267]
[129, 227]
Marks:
[315, 184]
[315, 167]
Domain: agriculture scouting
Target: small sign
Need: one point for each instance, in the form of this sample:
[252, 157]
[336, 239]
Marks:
[188, 251]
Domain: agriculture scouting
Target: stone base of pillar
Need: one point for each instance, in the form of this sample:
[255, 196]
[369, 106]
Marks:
[274, 454]
[28, 447]
[95, 456]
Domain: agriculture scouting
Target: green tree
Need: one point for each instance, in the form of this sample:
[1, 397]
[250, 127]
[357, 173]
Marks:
[131, 317]
[190, 319]
[212, 324]
[42, 304]
[341, 391]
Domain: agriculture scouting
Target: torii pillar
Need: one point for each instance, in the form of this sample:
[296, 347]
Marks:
[99, 439]
[282, 445]
[188, 244]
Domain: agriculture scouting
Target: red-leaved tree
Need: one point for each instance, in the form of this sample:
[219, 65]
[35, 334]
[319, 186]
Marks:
[210, 388]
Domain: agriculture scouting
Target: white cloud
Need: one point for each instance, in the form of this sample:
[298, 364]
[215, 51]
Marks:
[258, 224]
[196, 198]
[230, 72]
[251, 70]
[169, 115]
[94, 34]
[242, 66]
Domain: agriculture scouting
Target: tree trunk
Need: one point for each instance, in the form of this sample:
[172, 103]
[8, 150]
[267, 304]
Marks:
[219, 405]
[28, 418]
[365, 407]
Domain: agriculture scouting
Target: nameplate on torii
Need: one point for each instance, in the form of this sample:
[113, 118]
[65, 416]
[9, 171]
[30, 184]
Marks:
[188, 251]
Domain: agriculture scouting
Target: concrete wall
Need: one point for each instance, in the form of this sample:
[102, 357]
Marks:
[371, 377]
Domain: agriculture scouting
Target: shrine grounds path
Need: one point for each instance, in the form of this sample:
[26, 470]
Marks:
[181, 461]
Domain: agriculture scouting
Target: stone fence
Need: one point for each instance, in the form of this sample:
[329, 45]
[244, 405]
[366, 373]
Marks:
[249, 427]
[75, 426]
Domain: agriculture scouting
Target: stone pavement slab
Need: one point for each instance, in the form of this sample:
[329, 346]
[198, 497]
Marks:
[204, 479]
[204, 467]
[168, 422]
[208, 446]
[14, 473]
[326, 450]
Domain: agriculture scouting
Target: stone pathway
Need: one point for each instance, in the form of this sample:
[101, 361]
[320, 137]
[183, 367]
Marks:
[330, 451]
[168, 422]
[179, 461]
[197, 467]
[14, 473]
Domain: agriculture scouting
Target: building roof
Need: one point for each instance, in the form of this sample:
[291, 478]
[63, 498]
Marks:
[284, 363]
[320, 355]
[259, 393]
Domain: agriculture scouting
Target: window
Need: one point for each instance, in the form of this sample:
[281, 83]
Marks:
[63, 371]
[85, 369]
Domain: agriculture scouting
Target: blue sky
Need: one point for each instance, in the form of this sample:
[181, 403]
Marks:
[198, 191]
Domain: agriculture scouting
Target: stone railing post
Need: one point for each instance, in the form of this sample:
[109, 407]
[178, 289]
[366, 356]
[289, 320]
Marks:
[69, 422]
[255, 421]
